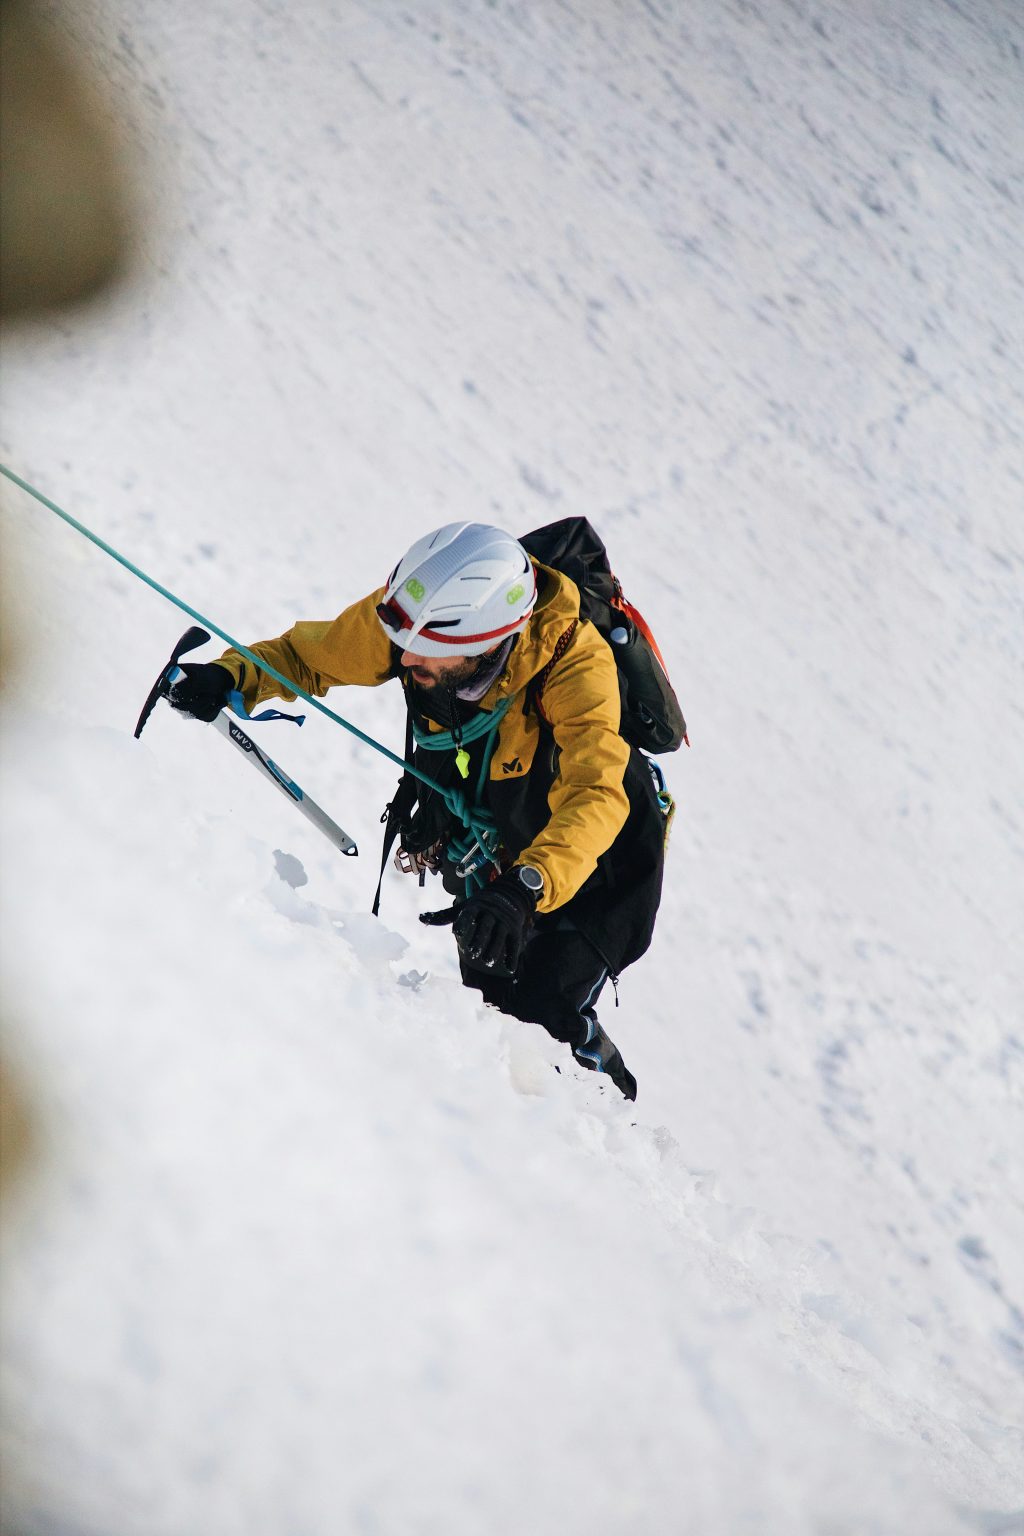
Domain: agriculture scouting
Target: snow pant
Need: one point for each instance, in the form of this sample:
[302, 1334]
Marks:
[557, 984]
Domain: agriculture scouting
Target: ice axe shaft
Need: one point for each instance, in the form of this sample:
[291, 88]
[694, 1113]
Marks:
[287, 785]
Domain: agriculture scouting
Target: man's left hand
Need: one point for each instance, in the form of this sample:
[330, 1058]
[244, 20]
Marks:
[491, 927]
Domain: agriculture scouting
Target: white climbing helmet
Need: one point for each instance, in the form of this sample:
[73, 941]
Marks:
[459, 591]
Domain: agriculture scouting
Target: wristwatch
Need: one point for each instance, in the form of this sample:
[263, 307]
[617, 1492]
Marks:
[531, 879]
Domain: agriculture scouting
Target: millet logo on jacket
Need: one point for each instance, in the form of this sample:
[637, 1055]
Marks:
[515, 766]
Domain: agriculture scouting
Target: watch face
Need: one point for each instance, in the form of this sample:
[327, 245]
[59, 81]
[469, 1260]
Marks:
[531, 878]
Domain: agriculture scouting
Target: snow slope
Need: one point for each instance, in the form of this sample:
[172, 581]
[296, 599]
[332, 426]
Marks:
[311, 1243]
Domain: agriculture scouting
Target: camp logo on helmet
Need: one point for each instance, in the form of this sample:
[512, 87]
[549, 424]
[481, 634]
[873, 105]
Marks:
[416, 590]
[515, 594]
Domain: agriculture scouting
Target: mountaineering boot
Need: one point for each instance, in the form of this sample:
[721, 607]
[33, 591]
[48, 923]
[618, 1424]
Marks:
[599, 1054]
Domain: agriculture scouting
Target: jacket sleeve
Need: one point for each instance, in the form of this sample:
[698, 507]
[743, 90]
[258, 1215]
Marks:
[588, 800]
[317, 655]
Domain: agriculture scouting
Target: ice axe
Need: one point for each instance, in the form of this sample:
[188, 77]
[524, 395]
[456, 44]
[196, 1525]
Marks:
[232, 732]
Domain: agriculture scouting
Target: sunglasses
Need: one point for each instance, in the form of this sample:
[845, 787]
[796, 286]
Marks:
[391, 615]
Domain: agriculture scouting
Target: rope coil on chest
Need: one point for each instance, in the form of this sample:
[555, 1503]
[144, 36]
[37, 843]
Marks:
[479, 844]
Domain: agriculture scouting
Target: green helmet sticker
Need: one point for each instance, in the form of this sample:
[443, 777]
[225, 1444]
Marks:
[415, 589]
[514, 594]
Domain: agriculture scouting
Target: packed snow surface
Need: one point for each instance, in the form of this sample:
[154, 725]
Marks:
[309, 1243]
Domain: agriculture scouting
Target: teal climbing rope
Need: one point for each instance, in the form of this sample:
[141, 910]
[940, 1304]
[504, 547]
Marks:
[474, 820]
[478, 847]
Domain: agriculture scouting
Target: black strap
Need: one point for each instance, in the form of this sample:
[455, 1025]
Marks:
[440, 919]
[395, 812]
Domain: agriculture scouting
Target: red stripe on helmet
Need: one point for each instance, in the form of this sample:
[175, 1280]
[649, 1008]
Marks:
[491, 634]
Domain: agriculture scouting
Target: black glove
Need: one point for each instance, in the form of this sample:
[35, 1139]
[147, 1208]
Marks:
[203, 691]
[491, 927]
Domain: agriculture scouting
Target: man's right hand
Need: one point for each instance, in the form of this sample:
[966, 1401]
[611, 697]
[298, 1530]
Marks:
[203, 691]
[491, 926]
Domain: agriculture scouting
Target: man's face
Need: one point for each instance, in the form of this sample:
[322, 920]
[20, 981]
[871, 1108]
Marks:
[440, 671]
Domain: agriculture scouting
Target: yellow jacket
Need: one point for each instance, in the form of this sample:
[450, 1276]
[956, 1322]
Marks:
[587, 799]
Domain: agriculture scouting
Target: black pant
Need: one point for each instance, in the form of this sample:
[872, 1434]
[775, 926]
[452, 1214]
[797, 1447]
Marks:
[557, 985]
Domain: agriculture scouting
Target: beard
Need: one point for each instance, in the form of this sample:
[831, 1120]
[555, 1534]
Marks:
[452, 675]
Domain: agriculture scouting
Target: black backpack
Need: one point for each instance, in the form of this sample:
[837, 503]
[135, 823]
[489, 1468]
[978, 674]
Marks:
[651, 717]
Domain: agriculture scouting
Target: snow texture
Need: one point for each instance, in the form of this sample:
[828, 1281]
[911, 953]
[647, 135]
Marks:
[311, 1243]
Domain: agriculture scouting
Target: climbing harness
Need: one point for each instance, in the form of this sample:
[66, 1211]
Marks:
[478, 845]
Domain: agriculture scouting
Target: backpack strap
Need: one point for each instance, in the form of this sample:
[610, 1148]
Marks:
[620, 602]
[536, 688]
